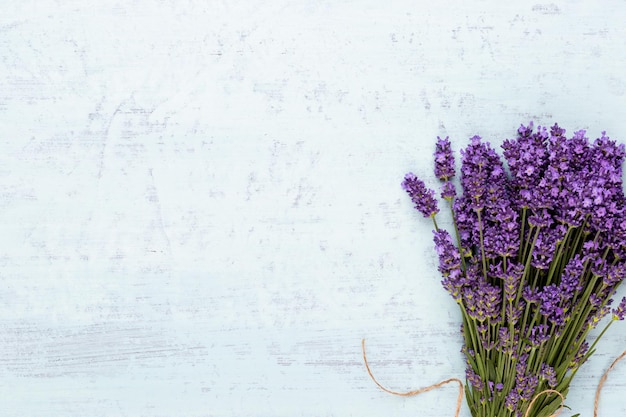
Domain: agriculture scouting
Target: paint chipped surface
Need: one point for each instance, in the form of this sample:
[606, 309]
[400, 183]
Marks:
[200, 205]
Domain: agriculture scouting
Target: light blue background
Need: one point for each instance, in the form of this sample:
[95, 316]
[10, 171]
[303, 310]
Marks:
[200, 205]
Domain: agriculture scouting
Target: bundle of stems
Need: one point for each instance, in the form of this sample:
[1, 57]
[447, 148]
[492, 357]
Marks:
[537, 253]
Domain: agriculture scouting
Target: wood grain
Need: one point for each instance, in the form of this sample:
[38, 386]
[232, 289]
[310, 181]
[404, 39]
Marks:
[200, 210]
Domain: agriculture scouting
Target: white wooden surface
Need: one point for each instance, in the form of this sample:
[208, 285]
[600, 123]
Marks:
[200, 206]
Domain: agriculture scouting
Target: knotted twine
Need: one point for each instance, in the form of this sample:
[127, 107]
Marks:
[459, 399]
[460, 396]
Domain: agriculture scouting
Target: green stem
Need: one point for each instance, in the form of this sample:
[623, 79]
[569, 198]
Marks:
[458, 235]
[482, 246]
[595, 342]
[522, 243]
[574, 328]
[557, 257]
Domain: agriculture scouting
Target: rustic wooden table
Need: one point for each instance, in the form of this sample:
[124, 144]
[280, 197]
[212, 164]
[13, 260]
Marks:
[200, 201]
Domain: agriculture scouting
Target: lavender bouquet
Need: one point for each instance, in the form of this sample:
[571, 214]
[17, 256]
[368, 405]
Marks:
[536, 256]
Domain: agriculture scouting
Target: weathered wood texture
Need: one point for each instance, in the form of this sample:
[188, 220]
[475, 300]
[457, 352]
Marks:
[200, 206]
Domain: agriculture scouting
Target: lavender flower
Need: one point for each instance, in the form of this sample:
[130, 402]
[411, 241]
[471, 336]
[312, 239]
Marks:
[527, 157]
[545, 246]
[595, 300]
[614, 274]
[526, 387]
[449, 263]
[476, 169]
[520, 368]
[606, 182]
[501, 232]
[474, 379]
[511, 278]
[550, 304]
[482, 302]
[424, 198]
[598, 314]
[619, 313]
[579, 357]
[487, 344]
[540, 251]
[448, 192]
[539, 335]
[493, 387]
[571, 279]
[466, 220]
[547, 372]
[514, 312]
[444, 159]
[531, 294]
[504, 337]
[511, 400]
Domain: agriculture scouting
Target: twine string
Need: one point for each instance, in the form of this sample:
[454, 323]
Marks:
[459, 400]
[603, 380]
[460, 396]
[548, 391]
[598, 390]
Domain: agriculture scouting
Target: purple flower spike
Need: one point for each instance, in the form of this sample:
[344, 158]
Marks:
[620, 312]
[547, 372]
[449, 192]
[526, 387]
[474, 379]
[539, 334]
[527, 157]
[482, 174]
[580, 355]
[483, 302]
[444, 159]
[449, 264]
[570, 280]
[424, 198]
[511, 400]
[539, 250]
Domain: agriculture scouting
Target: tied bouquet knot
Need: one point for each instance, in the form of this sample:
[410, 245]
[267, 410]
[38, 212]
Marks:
[535, 257]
